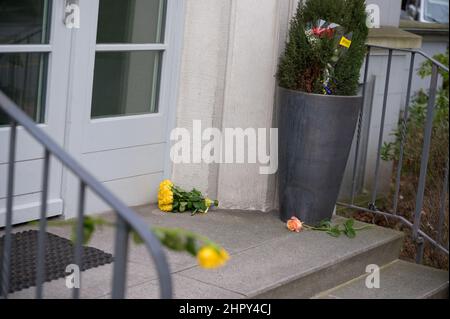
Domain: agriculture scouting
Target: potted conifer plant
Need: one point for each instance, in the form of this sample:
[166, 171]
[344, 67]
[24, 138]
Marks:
[318, 105]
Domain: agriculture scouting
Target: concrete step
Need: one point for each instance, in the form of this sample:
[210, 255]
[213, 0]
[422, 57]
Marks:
[398, 280]
[298, 265]
[267, 261]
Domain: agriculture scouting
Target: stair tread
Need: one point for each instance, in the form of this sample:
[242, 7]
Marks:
[398, 280]
[276, 263]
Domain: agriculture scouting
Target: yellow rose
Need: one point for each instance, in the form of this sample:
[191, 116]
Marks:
[166, 208]
[165, 196]
[166, 201]
[208, 257]
[167, 184]
[224, 255]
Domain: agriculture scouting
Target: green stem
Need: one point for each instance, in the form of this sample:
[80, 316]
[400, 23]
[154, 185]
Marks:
[364, 227]
[315, 228]
[187, 233]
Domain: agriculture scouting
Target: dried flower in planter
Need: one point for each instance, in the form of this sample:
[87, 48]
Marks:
[174, 199]
[325, 48]
[340, 42]
[347, 228]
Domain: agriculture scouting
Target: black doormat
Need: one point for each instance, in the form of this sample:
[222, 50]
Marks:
[58, 255]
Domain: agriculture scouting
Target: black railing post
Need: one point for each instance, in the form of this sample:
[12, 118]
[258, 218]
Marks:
[380, 137]
[6, 257]
[78, 250]
[426, 150]
[120, 259]
[40, 276]
[403, 129]
[360, 123]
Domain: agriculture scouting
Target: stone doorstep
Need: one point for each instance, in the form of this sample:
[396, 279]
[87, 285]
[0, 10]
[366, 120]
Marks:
[398, 280]
[393, 37]
[266, 260]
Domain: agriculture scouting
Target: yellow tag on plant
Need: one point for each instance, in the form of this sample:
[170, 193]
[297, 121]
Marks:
[345, 42]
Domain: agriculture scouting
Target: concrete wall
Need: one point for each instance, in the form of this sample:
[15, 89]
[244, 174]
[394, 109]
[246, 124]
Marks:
[230, 56]
[390, 11]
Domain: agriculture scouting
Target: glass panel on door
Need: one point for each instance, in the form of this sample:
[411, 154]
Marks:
[127, 78]
[125, 83]
[24, 21]
[23, 75]
[131, 21]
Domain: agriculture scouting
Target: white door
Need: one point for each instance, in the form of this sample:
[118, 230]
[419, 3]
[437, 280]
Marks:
[34, 50]
[123, 90]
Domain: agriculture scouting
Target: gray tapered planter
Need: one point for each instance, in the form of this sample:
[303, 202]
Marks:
[315, 136]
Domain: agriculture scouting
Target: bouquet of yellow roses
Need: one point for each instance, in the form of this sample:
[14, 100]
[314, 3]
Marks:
[174, 199]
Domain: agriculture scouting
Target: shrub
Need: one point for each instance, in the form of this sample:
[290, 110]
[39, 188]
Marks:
[302, 67]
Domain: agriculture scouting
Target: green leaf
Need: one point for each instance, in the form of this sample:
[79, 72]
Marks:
[191, 246]
[88, 229]
[349, 223]
[325, 224]
[350, 232]
[334, 231]
[203, 207]
[136, 238]
[174, 241]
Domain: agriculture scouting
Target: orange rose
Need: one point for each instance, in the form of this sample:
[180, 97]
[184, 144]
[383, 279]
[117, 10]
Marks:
[295, 225]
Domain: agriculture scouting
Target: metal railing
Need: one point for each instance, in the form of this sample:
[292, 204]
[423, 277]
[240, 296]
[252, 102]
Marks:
[127, 220]
[418, 236]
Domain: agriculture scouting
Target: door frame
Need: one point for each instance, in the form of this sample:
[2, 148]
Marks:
[80, 86]
[27, 206]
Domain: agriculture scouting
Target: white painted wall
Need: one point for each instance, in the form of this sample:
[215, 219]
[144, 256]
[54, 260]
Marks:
[229, 61]
[390, 11]
[230, 56]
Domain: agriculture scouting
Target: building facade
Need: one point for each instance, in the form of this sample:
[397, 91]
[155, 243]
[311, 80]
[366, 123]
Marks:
[110, 81]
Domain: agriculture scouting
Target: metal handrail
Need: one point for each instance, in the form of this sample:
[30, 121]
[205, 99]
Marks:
[417, 234]
[425, 55]
[127, 219]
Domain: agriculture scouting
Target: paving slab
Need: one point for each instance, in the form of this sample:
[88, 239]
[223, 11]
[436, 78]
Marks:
[95, 282]
[277, 262]
[264, 256]
[184, 288]
[398, 280]
[236, 230]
